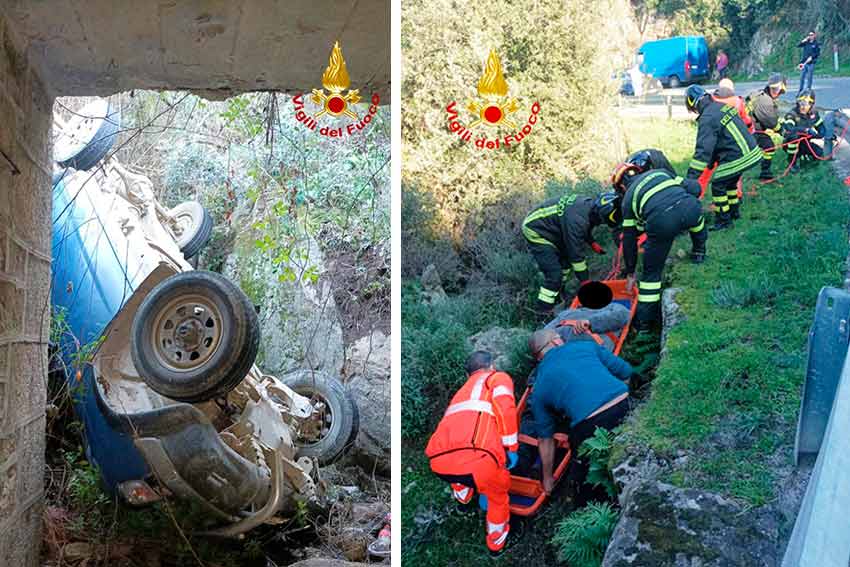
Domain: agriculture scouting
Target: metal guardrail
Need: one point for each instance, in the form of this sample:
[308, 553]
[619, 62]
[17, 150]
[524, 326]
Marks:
[820, 535]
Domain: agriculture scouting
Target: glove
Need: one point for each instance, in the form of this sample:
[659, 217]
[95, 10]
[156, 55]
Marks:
[512, 459]
[812, 132]
[597, 248]
[691, 186]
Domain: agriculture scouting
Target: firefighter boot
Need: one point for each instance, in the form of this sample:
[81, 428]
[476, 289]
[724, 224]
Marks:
[697, 257]
[721, 221]
[765, 170]
[735, 211]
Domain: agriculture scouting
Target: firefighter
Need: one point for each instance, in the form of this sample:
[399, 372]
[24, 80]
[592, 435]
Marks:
[722, 137]
[475, 444]
[661, 204]
[725, 94]
[765, 113]
[557, 231]
[802, 121]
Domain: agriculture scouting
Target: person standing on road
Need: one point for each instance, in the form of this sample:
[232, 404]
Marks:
[765, 114]
[721, 64]
[811, 52]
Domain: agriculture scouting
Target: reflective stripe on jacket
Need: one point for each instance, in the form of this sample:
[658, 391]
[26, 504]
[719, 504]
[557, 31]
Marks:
[482, 415]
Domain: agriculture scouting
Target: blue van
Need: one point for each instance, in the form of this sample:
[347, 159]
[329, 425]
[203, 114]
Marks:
[676, 60]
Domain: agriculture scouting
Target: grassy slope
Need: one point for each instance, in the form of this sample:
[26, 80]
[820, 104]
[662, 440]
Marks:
[739, 359]
[727, 394]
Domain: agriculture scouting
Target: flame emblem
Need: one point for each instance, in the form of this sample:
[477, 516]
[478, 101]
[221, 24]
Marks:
[493, 88]
[335, 79]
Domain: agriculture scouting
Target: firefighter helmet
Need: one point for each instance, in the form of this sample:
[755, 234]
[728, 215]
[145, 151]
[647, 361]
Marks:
[806, 96]
[692, 97]
[777, 81]
[637, 163]
[607, 208]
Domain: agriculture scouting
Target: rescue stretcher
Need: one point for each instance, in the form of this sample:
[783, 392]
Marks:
[526, 492]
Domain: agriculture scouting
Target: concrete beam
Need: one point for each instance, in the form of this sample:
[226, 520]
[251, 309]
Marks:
[213, 47]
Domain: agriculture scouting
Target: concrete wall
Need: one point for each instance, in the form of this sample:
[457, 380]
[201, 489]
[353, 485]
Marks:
[217, 47]
[25, 118]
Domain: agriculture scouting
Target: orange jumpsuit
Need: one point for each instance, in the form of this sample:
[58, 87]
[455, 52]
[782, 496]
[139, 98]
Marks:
[469, 446]
[738, 103]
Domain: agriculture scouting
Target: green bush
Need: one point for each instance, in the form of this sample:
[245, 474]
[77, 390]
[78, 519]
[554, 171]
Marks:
[582, 537]
[597, 451]
[434, 349]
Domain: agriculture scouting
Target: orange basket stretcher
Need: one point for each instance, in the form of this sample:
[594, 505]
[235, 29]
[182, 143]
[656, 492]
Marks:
[526, 493]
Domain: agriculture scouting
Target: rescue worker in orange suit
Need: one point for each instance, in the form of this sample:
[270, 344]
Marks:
[557, 232]
[475, 444]
[803, 120]
[722, 137]
[661, 204]
[580, 381]
[764, 111]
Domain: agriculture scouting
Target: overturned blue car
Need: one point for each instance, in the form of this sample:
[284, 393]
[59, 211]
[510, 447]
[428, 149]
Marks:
[159, 357]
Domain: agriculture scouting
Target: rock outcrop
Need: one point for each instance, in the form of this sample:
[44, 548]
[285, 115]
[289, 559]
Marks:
[499, 342]
[662, 525]
[368, 375]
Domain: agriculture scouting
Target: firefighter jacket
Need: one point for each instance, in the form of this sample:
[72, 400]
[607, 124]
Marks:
[728, 96]
[567, 224]
[652, 193]
[763, 109]
[722, 137]
[795, 124]
[481, 416]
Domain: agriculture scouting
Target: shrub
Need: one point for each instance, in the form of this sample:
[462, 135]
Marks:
[597, 450]
[582, 537]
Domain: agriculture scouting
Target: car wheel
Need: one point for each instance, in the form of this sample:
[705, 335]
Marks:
[339, 419]
[194, 227]
[195, 336]
[674, 82]
[88, 136]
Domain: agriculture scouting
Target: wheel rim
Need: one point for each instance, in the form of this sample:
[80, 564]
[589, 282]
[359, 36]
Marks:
[186, 332]
[322, 422]
[183, 224]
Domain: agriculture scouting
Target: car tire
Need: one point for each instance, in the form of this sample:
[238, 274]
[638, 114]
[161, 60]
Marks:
[96, 126]
[195, 336]
[344, 422]
[674, 82]
[197, 227]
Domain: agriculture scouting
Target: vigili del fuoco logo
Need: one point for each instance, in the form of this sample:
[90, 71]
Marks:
[493, 108]
[336, 103]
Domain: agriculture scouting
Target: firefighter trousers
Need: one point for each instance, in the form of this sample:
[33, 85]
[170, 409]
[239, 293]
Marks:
[765, 142]
[804, 150]
[479, 470]
[556, 270]
[724, 195]
[661, 230]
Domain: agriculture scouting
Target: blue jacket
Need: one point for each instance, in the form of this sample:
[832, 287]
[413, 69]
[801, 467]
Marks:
[573, 381]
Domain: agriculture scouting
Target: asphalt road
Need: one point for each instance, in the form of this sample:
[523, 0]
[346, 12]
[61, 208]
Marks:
[830, 92]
